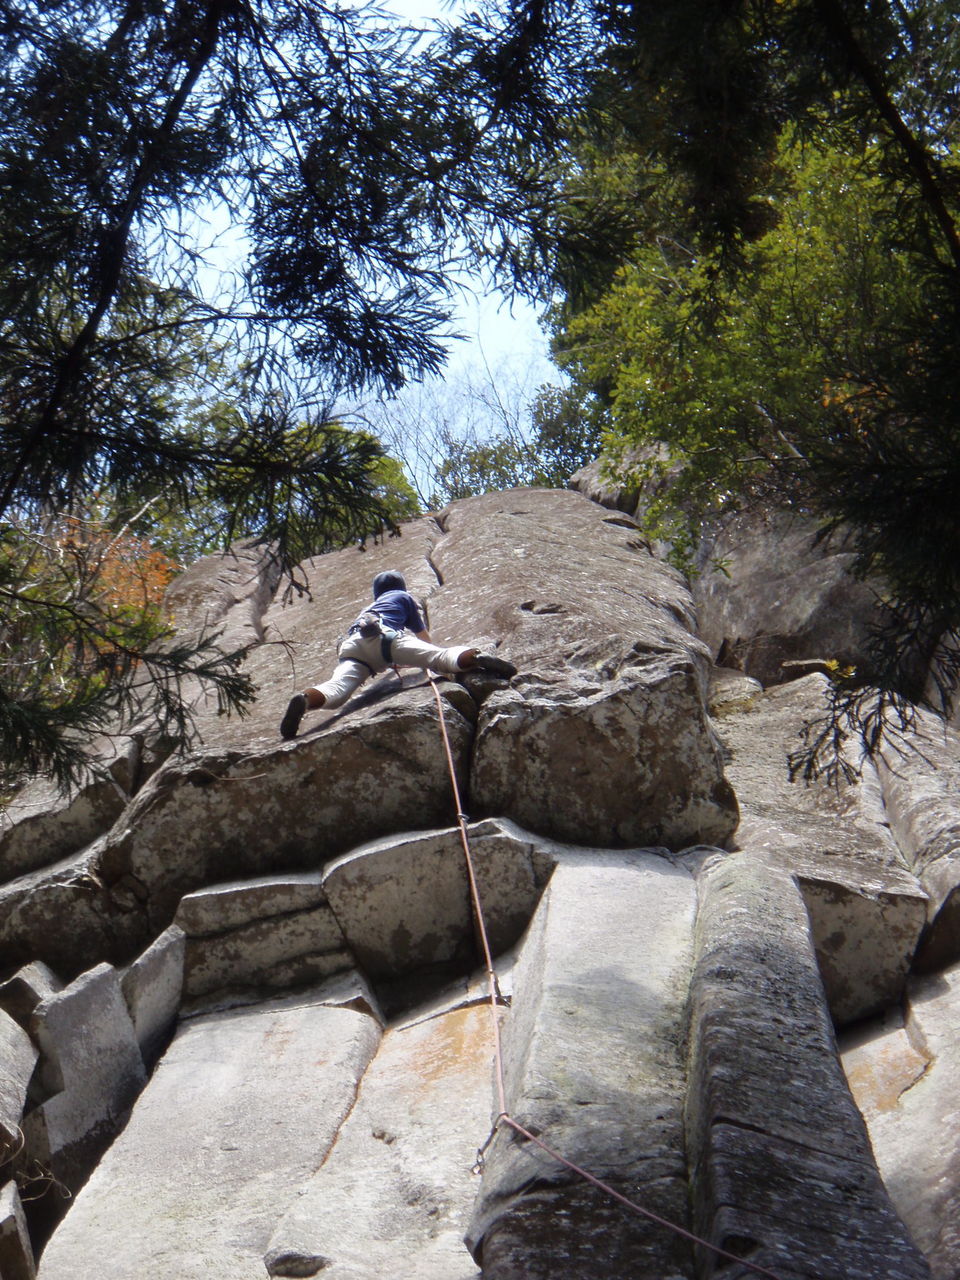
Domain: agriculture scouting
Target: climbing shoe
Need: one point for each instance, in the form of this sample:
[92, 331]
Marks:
[494, 665]
[292, 716]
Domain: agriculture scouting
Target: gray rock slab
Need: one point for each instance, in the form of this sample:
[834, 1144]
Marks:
[18, 1056]
[405, 903]
[782, 1163]
[784, 593]
[293, 807]
[42, 824]
[603, 636]
[866, 907]
[265, 933]
[345, 989]
[300, 631]
[599, 481]
[593, 1050]
[610, 762]
[905, 1080]
[16, 1252]
[90, 1048]
[394, 1196]
[267, 953]
[219, 907]
[242, 1110]
[23, 991]
[249, 805]
[920, 777]
[65, 916]
[228, 592]
[152, 988]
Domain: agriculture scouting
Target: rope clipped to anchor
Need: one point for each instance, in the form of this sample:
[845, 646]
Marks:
[504, 1118]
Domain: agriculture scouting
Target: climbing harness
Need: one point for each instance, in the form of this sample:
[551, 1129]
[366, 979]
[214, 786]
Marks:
[503, 1115]
[368, 626]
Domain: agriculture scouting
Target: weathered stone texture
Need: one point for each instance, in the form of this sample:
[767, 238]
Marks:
[920, 777]
[866, 909]
[903, 1074]
[784, 593]
[243, 1109]
[552, 758]
[608, 711]
[17, 1058]
[610, 701]
[41, 825]
[593, 1062]
[65, 916]
[152, 988]
[782, 1161]
[405, 903]
[395, 1194]
[93, 1068]
[291, 1134]
[16, 1252]
[23, 991]
[268, 934]
[770, 588]
[226, 594]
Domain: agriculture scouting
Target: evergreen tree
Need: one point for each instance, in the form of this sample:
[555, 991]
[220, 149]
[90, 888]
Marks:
[807, 350]
[349, 166]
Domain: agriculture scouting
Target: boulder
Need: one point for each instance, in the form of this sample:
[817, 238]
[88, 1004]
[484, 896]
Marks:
[593, 1063]
[93, 1069]
[781, 1160]
[731, 692]
[613, 763]
[66, 917]
[245, 1107]
[218, 908]
[608, 710]
[23, 991]
[773, 590]
[264, 934]
[219, 816]
[770, 588]
[43, 824]
[404, 904]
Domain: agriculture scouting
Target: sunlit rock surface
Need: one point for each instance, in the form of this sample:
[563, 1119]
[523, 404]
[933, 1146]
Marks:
[268, 950]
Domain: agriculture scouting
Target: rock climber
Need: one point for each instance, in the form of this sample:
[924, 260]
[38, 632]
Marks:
[391, 632]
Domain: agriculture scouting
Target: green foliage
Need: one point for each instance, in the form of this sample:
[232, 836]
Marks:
[559, 438]
[351, 168]
[726, 385]
[783, 317]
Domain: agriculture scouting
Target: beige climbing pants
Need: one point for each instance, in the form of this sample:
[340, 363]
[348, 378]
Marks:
[360, 658]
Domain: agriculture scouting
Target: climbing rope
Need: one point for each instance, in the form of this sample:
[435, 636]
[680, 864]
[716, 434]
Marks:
[504, 1117]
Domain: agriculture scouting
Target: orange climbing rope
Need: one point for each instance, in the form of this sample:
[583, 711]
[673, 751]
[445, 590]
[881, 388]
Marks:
[504, 1117]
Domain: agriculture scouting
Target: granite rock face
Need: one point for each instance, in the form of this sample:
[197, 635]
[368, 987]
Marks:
[867, 909]
[903, 1073]
[271, 951]
[601, 633]
[593, 1062]
[770, 589]
[784, 594]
